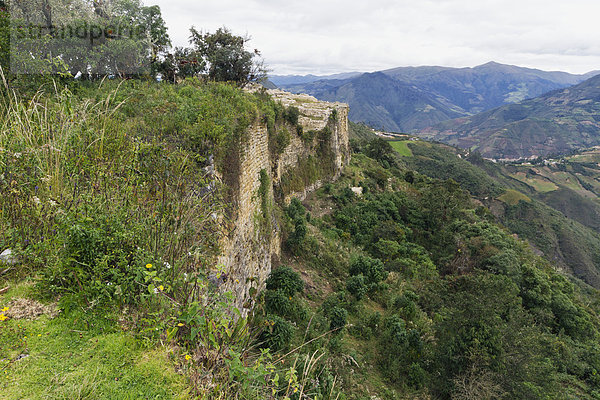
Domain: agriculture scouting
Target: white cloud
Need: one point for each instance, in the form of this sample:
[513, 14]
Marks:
[327, 36]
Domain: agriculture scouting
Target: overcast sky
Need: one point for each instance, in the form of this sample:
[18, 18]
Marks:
[330, 36]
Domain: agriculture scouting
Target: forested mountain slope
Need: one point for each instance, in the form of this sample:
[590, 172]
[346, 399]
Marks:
[417, 97]
[557, 122]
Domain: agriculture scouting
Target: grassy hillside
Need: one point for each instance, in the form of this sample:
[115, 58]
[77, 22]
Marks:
[524, 203]
[428, 297]
[360, 131]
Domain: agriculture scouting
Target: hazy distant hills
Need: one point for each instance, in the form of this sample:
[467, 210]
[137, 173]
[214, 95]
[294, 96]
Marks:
[286, 80]
[408, 98]
[554, 123]
[381, 101]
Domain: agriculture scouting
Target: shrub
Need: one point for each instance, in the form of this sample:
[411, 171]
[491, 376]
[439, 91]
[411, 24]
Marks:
[357, 286]
[297, 214]
[99, 261]
[416, 376]
[337, 318]
[405, 305]
[278, 335]
[291, 115]
[286, 280]
[277, 302]
[372, 268]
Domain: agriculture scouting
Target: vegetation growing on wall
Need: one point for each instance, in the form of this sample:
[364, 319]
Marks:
[309, 168]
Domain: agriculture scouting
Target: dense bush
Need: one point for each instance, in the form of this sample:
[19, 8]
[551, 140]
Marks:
[297, 215]
[357, 286]
[286, 280]
[337, 318]
[371, 268]
[278, 334]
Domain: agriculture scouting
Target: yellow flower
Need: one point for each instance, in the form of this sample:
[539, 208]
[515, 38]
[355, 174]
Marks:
[188, 357]
[180, 324]
[3, 317]
[39, 334]
[4, 309]
[148, 266]
[161, 288]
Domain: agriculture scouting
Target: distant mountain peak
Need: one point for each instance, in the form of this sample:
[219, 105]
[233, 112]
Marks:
[492, 64]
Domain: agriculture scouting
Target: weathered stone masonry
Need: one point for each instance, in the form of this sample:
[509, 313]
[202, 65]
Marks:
[248, 251]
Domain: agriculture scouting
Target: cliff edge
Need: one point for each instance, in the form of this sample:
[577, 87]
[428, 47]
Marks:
[272, 164]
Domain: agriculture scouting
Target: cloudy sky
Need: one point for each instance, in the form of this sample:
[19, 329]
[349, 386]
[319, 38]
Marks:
[330, 36]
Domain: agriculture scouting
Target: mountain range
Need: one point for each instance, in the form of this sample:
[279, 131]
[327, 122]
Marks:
[412, 98]
[557, 122]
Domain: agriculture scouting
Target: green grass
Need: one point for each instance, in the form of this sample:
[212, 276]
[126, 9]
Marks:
[80, 356]
[539, 184]
[513, 197]
[401, 146]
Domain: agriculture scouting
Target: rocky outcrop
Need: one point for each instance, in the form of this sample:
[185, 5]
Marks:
[252, 244]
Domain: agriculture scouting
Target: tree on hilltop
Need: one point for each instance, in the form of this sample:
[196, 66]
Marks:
[224, 57]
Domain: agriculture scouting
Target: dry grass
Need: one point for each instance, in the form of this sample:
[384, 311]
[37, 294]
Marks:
[20, 308]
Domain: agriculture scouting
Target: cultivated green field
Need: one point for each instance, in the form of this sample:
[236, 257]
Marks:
[401, 146]
[513, 197]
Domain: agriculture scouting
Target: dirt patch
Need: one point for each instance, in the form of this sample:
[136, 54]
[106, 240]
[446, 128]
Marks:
[29, 309]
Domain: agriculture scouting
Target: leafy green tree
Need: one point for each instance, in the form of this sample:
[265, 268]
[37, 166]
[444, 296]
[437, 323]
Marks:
[381, 150]
[226, 57]
[119, 38]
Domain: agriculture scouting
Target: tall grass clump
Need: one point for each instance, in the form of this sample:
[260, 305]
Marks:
[94, 189]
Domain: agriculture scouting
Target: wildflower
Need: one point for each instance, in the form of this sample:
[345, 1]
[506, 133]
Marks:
[167, 265]
[180, 324]
[39, 334]
[3, 317]
[188, 357]
[161, 288]
[5, 309]
[155, 290]
[148, 266]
